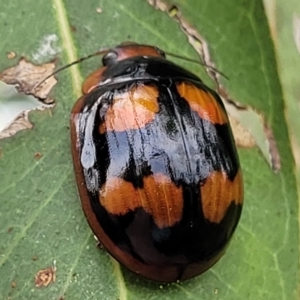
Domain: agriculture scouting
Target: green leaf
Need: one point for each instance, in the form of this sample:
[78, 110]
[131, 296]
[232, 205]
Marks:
[41, 221]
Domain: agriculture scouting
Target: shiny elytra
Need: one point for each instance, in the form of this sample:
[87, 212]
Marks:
[156, 165]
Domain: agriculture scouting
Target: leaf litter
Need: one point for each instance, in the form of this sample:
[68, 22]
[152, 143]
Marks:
[20, 93]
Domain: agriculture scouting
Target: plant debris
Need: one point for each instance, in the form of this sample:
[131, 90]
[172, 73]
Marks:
[11, 55]
[20, 93]
[45, 276]
[27, 76]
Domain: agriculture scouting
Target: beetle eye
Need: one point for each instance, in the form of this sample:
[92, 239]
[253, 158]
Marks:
[110, 58]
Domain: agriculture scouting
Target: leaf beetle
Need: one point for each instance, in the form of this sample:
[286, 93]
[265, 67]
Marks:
[156, 165]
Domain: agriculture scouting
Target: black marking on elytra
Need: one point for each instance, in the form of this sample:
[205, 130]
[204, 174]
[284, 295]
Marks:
[159, 147]
[189, 240]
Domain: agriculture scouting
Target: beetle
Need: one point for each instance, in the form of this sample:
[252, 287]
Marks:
[156, 165]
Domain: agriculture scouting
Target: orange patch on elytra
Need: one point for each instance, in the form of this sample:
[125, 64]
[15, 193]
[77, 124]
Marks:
[159, 197]
[218, 192]
[203, 103]
[132, 109]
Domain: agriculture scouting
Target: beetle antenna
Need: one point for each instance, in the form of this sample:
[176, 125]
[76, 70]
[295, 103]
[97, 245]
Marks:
[100, 52]
[104, 51]
[197, 62]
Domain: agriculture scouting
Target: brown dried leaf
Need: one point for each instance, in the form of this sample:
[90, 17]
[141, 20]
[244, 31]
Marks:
[15, 106]
[243, 138]
[250, 129]
[18, 124]
[27, 76]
